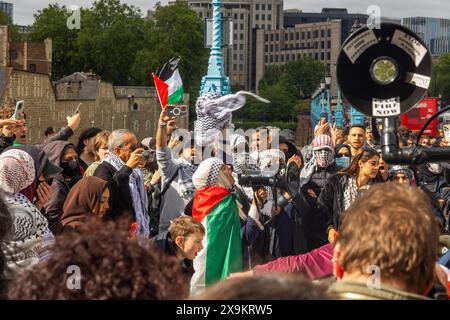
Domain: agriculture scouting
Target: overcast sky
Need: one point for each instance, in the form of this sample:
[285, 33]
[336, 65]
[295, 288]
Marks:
[24, 9]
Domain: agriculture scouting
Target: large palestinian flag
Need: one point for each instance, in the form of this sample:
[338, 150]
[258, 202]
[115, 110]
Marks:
[216, 209]
[168, 83]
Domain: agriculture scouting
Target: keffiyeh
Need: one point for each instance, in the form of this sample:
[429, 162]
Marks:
[214, 113]
[323, 157]
[185, 172]
[138, 196]
[16, 170]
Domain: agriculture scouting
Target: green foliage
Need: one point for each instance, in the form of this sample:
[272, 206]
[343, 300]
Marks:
[5, 20]
[287, 87]
[116, 43]
[441, 77]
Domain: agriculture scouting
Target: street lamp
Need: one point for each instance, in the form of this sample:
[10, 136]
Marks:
[328, 79]
[327, 85]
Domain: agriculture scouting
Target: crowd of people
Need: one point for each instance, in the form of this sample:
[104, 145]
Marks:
[112, 217]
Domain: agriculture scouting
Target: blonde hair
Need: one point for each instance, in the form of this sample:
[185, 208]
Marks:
[101, 140]
[184, 226]
[393, 227]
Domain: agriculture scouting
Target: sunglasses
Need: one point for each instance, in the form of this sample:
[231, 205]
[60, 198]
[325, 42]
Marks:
[340, 155]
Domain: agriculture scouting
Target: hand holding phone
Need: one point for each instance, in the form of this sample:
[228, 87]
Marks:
[77, 110]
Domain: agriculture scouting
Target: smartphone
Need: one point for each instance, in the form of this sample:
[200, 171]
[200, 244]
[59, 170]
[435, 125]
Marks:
[446, 129]
[324, 115]
[20, 105]
[77, 109]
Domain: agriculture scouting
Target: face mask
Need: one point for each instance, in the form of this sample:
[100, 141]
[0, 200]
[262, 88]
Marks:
[324, 157]
[343, 162]
[70, 168]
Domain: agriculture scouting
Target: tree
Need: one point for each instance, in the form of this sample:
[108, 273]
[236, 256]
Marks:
[51, 22]
[174, 30]
[441, 77]
[111, 34]
[5, 20]
[303, 76]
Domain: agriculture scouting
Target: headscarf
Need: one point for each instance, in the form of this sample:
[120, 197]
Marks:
[209, 174]
[323, 157]
[82, 199]
[41, 164]
[403, 169]
[16, 171]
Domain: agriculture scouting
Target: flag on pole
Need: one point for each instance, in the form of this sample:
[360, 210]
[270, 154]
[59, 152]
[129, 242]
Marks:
[168, 83]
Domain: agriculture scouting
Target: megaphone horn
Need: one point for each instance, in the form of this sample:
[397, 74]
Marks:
[384, 72]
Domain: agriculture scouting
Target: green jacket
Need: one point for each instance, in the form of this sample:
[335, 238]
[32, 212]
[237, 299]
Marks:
[346, 290]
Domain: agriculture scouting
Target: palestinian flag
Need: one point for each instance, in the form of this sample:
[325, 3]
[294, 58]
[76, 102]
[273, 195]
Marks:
[216, 209]
[168, 83]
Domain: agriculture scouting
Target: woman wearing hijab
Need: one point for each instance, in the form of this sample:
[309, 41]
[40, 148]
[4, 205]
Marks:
[216, 208]
[62, 154]
[28, 242]
[343, 155]
[88, 197]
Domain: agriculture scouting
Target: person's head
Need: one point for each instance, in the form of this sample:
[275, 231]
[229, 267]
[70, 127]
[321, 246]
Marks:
[357, 136]
[17, 170]
[187, 233]
[69, 161]
[122, 143]
[6, 226]
[90, 195]
[287, 147]
[171, 126]
[49, 132]
[111, 266]
[383, 168]
[411, 140]
[390, 227]
[86, 140]
[261, 139]
[270, 286]
[343, 155]
[323, 150]
[365, 164]
[369, 134]
[213, 172]
[19, 130]
[101, 145]
[402, 175]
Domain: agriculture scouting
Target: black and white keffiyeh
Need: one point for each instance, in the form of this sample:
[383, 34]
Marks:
[214, 113]
[138, 195]
[184, 179]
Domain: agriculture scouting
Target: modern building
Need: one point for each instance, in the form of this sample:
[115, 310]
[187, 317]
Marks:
[7, 8]
[435, 33]
[248, 16]
[320, 41]
[294, 17]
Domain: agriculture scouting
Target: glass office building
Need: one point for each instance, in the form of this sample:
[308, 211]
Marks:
[435, 33]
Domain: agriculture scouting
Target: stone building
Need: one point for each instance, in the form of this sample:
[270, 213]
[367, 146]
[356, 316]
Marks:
[102, 104]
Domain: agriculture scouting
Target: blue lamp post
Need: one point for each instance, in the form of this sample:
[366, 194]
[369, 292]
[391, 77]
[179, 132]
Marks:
[322, 98]
[216, 80]
[327, 84]
[339, 116]
[356, 116]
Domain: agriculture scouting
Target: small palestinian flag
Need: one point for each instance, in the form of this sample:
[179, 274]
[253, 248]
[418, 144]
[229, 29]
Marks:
[168, 83]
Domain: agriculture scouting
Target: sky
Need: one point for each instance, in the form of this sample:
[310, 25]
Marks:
[24, 9]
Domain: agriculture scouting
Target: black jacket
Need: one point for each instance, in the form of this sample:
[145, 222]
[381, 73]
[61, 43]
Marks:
[164, 242]
[330, 203]
[120, 189]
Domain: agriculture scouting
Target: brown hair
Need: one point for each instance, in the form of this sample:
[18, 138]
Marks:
[402, 239]
[184, 226]
[101, 140]
[268, 286]
[111, 266]
[365, 155]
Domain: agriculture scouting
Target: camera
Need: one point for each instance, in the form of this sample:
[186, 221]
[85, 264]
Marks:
[285, 176]
[176, 110]
[149, 155]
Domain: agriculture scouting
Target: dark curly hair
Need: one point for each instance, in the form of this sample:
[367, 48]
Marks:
[5, 228]
[110, 264]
